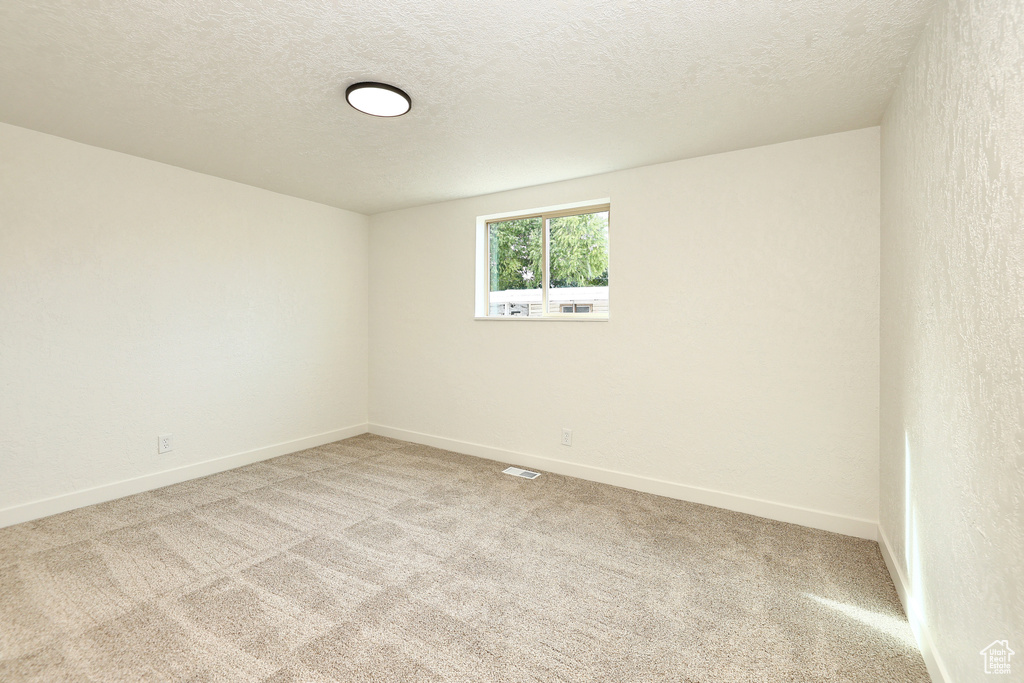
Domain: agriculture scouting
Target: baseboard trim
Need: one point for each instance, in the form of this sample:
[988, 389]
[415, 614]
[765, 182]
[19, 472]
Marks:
[932, 660]
[100, 494]
[850, 526]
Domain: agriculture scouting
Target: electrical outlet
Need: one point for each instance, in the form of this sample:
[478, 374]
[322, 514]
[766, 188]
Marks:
[566, 437]
[164, 443]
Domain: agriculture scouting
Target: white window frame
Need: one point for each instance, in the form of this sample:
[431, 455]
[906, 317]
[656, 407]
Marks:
[483, 245]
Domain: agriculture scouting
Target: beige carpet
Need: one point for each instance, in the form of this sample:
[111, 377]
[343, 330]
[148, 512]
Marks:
[377, 560]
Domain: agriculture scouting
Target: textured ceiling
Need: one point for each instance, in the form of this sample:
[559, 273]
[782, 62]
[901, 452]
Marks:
[506, 93]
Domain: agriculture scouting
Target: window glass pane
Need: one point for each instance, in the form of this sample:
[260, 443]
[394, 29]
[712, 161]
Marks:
[578, 259]
[515, 250]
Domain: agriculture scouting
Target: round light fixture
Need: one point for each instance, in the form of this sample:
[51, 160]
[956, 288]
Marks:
[378, 99]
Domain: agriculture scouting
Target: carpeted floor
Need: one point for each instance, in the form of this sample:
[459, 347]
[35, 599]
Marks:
[372, 559]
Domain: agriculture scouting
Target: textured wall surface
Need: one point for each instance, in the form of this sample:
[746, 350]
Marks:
[506, 93]
[138, 299]
[742, 350]
[952, 401]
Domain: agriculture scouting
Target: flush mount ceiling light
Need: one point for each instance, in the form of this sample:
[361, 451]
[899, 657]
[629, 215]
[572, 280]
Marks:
[378, 99]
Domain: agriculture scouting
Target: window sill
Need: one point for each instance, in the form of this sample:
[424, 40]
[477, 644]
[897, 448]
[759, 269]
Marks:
[537, 318]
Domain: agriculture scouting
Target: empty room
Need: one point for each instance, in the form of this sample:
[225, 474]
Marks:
[512, 341]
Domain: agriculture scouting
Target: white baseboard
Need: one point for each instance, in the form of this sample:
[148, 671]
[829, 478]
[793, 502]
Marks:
[851, 526]
[100, 494]
[932, 660]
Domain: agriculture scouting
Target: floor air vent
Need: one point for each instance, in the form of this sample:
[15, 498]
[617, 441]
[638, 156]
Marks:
[525, 474]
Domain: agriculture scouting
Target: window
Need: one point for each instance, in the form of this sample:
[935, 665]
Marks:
[547, 263]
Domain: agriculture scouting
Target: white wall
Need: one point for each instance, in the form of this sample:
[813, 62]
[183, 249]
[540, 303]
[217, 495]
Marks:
[138, 299]
[952, 287]
[755, 374]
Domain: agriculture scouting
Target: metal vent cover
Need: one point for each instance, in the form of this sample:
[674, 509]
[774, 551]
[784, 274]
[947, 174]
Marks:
[525, 474]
